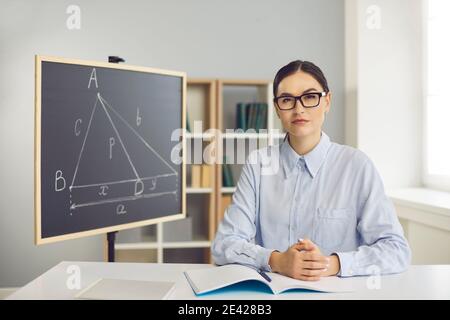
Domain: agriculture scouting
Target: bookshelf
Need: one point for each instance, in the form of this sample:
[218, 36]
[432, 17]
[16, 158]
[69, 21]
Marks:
[231, 93]
[186, 240]
[214, 103]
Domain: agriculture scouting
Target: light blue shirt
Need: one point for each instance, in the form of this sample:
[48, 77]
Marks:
[333, 195]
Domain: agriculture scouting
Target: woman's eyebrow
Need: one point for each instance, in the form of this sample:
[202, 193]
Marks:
[286, 94]
[310, 89]
[306, 91]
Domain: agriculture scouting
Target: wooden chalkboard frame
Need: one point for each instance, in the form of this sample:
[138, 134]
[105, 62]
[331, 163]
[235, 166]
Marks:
[37, 149]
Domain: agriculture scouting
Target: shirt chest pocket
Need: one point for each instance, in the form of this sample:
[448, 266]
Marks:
[331, 227]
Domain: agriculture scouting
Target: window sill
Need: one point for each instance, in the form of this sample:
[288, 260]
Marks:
[429, 200]
[425, 206]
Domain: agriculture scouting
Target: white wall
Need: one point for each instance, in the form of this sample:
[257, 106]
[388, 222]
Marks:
[205, 38]
[384, 86]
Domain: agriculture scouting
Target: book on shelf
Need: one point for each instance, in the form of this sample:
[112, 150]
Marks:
[249, 121]
[262, 117]
[251, 116]
[224, 203]
[196, 175]
[201, 175]
[206, 176]
[208, 279]
[188, 126]
[230, 176]
[240, 116]
[227, 175]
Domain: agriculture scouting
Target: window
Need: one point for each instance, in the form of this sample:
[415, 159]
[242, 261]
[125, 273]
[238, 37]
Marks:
[436, 97]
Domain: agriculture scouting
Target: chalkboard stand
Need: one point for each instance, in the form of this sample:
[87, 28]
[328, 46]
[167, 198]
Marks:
[111, 236]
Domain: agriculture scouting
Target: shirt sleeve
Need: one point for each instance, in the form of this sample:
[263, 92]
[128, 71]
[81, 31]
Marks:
[235, 238]
[384, 248]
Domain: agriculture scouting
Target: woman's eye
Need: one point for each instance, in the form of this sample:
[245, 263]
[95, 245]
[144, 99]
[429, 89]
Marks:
[286, 100]
[310, 97]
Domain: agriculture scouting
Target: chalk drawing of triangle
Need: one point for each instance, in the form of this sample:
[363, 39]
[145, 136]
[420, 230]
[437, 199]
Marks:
[114, 151]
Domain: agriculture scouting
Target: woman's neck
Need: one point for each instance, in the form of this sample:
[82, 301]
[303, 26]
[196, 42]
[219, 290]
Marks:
[303, 145]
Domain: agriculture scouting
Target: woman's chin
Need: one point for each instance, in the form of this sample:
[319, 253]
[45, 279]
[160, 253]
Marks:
[301, 132]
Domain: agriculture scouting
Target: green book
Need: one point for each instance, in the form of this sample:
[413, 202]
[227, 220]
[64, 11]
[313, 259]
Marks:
[248, 108]
[230, 176]
[254, 115]
[225, 177]
[258, 117]
[262, 116]
[241, 116]
[188, 127]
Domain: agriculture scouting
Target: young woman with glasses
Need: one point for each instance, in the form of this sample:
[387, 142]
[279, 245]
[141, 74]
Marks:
[324, 212]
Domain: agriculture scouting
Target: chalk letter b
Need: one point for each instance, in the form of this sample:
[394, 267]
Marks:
[60, 182]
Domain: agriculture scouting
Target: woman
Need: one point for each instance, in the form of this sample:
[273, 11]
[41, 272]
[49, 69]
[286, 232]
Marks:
[323, 191]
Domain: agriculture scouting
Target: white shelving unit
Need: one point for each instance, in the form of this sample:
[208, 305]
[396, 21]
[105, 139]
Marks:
[228, 189]
[229, 93]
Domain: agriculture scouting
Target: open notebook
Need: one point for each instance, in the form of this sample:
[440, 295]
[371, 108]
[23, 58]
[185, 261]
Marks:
[210, 279]
[117, 289]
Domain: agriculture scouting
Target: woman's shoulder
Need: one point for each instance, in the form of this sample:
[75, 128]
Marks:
[348, 154]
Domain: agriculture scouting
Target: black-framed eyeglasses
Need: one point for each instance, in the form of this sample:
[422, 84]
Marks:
[308, 100]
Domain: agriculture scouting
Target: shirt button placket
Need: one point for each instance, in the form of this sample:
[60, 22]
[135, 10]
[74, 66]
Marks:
[296, 203]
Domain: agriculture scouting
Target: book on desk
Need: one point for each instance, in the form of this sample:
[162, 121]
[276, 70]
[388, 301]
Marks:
[210, 279]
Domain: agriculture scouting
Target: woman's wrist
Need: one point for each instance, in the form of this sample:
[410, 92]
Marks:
[335, 265]
[273, 260]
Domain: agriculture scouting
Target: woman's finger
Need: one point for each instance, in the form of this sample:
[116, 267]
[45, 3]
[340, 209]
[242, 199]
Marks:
[314, 265]
[308, 244]
[306, 278]
[314, 256]
[312, 273]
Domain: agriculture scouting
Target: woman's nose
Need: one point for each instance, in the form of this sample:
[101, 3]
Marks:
[299, 108]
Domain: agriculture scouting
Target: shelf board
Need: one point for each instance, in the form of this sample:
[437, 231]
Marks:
[199, 135]
[165, 245]
[228, 189]
[136, 245]
[187, 244]
[245, 135]
[198, 190]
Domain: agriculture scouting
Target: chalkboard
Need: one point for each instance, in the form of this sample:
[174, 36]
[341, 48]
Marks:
[108, 147]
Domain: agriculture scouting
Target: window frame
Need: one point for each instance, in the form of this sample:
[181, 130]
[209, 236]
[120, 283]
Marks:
[432, 181]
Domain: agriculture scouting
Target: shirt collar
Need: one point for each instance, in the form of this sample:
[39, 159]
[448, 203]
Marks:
[313, 159]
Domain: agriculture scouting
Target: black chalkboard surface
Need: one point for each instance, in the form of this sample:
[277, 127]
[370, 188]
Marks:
[108, 147]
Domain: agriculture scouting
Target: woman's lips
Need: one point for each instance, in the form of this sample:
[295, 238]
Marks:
[300, 122]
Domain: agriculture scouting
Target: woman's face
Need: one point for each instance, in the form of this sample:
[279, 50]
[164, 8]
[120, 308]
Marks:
[296, 85]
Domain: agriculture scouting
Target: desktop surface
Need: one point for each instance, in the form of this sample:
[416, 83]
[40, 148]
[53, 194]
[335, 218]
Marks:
[62, 282]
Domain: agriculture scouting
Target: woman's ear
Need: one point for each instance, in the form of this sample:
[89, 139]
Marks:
[328, 102]
[276, 110]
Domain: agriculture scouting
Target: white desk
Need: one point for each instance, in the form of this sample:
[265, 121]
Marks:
[419, 282]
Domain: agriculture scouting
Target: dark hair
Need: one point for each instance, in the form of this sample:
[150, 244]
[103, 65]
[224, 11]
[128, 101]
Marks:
[296, 66]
